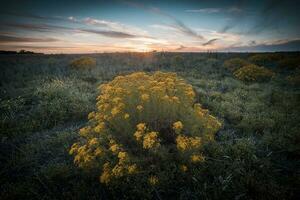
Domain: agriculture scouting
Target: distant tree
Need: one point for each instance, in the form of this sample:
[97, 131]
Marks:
[25, 52]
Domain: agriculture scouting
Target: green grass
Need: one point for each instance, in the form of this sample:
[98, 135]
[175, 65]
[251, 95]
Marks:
[43, 104]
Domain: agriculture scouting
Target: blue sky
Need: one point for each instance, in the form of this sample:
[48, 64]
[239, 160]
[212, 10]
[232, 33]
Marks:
[90, 26]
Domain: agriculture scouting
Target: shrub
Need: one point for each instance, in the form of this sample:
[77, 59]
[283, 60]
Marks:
[264, 59]
[83, 63]
[289, 63]
[235, 63]
[294, 79]
[253, 72]
[146, 130]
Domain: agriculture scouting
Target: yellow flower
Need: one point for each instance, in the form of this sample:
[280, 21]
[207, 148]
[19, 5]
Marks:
[153, 180]
[105, 176]
[139, 107]
[84, 131]
[100, 127]
[145, 97]
[177, 126]
[138, 135]
[141, 126]
[74, 148]
[115, 111]
[98, 152]
[142, 88]
[182, 142]
[123, 156]
[93, 141]
[166, 97]
[126, 116]
[183, 168]
[151, 140]
[197, 158]
[195, 142]
[175, 99]
[132, 169]
[116, 100]
[118, 170]
[91, 115]
[114, 148]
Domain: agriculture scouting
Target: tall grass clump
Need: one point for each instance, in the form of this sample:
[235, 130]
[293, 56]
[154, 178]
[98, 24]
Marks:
[60, 100]
[147, 133]
[253, 72]
[84, 63]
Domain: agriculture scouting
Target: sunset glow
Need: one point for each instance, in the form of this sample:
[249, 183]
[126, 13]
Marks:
[142, 26]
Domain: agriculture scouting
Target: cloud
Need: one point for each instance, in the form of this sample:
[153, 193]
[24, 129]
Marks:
[231, 9]
[279, 45]
[112, 34]
[181, 27]
[270, 17]
[101, 23]
[36, 27]
[54, 28]
[180, 48]
[177, 24]
[10, 39]
[205, 10]
[209, 42]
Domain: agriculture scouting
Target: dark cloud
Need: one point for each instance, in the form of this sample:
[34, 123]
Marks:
[235, 17]
[54, 28]
[210, 41]
[36, 27]
[112, 34]
[293, 45]
[180, 48]
[205, 10]
[180, 26]
[269, 16]
[9, 39]
[30, 15]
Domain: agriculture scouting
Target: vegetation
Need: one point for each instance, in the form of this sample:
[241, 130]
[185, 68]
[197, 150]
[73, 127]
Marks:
[235, 63]
[83, 63]
[289, 63]
[294, 79]
[265, 59]
[146, 129]
[253, 72]
[44, 103]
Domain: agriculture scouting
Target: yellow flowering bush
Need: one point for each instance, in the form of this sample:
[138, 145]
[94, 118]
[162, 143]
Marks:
[253, 72]
[83, 63]
[144, 125]
[235, 63]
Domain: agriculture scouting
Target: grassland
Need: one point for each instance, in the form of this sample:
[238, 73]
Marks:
[44, 102]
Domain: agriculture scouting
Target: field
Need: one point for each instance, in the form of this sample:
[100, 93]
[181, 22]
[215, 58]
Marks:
[45, 101]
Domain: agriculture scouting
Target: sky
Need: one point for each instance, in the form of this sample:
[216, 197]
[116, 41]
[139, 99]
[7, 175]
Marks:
[95, 26]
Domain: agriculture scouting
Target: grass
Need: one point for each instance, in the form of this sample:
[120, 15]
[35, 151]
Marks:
[44, 103]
